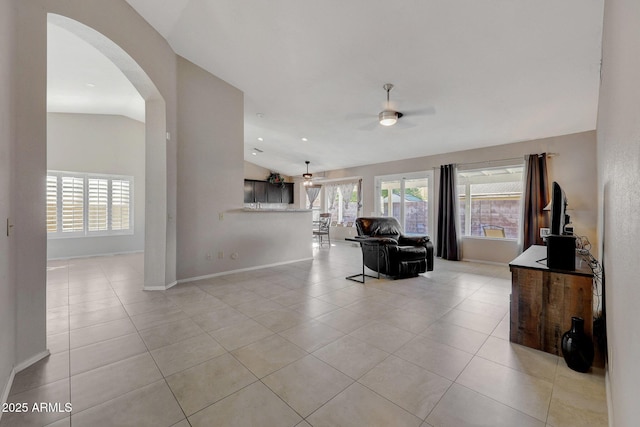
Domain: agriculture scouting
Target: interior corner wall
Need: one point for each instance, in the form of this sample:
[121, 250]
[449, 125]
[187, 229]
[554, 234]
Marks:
[210, 166]
[102, 144]
[573, 167]
[619, 196]
[120, 23]
[8, 299]
[253, 171]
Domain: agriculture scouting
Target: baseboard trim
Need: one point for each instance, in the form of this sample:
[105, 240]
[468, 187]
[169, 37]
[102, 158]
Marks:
[95, 255]
[607, 385]
[240, 270]
[20, 367]
[7, 389]
[480, 261]
[30, 361]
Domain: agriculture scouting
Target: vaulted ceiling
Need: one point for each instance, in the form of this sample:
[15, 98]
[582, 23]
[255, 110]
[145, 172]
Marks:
[473, 73]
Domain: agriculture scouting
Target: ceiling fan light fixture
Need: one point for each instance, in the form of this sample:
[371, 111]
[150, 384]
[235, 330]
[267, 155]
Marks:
[388, 118]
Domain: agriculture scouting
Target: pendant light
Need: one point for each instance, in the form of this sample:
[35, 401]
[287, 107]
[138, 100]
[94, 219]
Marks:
[307, 176]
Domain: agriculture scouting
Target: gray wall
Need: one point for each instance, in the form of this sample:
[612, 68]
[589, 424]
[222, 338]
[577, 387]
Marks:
[619, 193]
[8, 298]
[211, 186]
[574, 168]
[102, 144]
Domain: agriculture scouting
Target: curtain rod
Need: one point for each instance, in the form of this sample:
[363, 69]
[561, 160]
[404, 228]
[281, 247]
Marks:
[488, 162]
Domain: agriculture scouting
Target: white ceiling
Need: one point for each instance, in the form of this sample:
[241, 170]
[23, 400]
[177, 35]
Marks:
[484, 72]
[80, 79]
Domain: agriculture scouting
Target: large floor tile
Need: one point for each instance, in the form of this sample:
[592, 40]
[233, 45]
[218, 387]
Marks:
[56, 393]
[268, 355]
[152, 406]
[170, 333]
[185, 354]
[528, 360]
[307, 384]
[407, 320]
[218, 318]
[108, 382]
[455, 336]
[50, 369]
[312, 335]
[358, 406]
[438, 358]
[351, 356]
[90, 318]
[407, 385]
[105, 352]
[523, 392]
[157, 317]
[104, 331]
[206, 383]
[281, 319]
[385, 337]
[578, 400]
[344, 320]
[241, 333]
[462, 407]
[254, 406]
[476, 322]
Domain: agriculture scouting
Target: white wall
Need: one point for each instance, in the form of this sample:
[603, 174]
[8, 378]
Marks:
[8, 299]
[154, 55]
[619, 196]
[211, 187]
[574, 168]
[103, 144]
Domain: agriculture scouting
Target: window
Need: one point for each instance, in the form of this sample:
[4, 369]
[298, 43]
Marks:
[406, 198]
[342, 211]
[490, 201]
[80, 204]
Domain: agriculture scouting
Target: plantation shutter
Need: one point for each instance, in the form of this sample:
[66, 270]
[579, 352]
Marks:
[72, 204]
[120, 208]
[52, 204]
[98, 204]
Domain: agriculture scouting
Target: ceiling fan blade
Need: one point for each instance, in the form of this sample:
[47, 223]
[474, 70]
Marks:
[369, 126]
[428, 111]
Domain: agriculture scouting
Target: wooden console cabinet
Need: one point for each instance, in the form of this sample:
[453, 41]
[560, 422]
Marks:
[543, 301]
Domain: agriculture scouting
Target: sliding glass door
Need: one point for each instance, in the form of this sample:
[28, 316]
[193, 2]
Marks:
[406, 197]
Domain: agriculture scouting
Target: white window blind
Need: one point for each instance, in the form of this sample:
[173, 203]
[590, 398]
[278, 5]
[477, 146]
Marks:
[98, 201]
[52, 204]
[120, 197]
[83, 204]
[72, 204]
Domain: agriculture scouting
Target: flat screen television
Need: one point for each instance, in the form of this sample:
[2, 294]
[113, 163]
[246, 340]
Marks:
[558, 210]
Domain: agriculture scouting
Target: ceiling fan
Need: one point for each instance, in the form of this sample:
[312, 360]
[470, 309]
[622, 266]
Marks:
[390, 117]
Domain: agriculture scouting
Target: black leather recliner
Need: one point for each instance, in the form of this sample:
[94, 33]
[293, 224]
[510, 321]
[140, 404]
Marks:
[385, 246]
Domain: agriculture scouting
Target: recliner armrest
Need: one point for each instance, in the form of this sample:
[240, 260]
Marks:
[377, 240]
[413, 240]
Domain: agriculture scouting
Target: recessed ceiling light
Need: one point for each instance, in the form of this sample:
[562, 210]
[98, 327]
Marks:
[304, 139]
[260, 115]
[260, 139]
[254, 153]
[90, 85]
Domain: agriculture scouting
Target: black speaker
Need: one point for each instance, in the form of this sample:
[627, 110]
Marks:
[561, 252]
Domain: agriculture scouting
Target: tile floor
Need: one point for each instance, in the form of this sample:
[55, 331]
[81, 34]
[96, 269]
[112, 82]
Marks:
[295, 345]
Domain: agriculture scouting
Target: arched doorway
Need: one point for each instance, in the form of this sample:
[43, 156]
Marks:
[155, 218]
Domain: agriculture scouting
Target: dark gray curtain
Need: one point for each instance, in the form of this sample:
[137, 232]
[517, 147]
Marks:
[448, 244]
[536, 198]
[312, 194]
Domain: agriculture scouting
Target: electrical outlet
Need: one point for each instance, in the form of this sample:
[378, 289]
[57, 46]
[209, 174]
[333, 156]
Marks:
[234, 255]
[9, 227]
[209, 256]
[221, 216]
[220, 255]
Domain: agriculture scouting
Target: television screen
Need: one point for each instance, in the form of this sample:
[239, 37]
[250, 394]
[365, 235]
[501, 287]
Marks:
[558, 209]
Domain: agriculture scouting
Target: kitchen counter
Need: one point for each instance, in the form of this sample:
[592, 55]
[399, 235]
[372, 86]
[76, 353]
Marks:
[263, 210]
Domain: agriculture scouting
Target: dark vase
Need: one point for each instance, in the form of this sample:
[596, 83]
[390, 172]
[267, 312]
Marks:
[577, 347]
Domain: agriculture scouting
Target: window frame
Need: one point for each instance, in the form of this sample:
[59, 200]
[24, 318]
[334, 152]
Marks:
[86, 177]
[467, 225]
